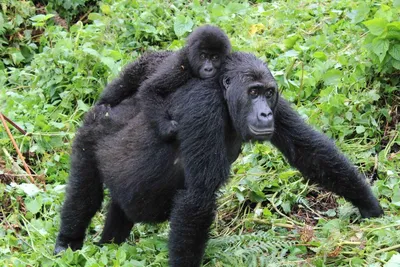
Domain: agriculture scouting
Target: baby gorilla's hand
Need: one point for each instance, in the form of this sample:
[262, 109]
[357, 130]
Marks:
[168, 130]
[98, 114]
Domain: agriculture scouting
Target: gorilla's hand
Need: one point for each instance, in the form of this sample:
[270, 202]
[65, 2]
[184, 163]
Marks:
[168, 129]
[99, 114]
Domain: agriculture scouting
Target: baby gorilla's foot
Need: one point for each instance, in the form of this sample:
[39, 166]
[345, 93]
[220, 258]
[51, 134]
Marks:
[168, 130]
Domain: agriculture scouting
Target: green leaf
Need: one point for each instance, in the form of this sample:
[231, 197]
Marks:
[94, 16]
[1, 22]
[320, 55]
[91, 51]
[121, 255]
[396, 3]
[376, 26]
[380, 47]
[58, 125]
[349, 115]
[360, 129]
[331, 226]
[286, 206]
[82, 106]
[332, 77]
[182, 25]
[331, 212]
[394, 261]
[217, 11]
[396, 64]
[290, 41]
[239, 196]
[396, 196]
[34, 205]
[267, 213]
[30, 190]
[394, 51]
[109, 62]
[287, 174]
[106, 9]
[338, 120]
[41, 17]
[360, 13]
[373, 95]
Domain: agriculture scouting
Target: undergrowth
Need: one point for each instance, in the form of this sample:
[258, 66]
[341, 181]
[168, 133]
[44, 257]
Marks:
[338, 62]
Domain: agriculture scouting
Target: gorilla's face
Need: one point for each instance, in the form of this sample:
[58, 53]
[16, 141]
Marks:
[209, 64]
[208, 46]
[206, 63]
[251, 94]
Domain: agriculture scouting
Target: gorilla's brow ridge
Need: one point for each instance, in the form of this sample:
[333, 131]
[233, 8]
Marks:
[250, 75]
[251, 68]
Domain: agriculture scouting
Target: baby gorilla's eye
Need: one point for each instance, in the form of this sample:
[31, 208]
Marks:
[269, 92]
[253, 92]
[215, 57]
[202, 56]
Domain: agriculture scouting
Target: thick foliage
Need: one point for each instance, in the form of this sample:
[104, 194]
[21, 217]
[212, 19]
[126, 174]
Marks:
[336, 60]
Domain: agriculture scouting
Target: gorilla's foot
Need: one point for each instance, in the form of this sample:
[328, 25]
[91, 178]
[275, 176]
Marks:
[63, 243]
[371, 212]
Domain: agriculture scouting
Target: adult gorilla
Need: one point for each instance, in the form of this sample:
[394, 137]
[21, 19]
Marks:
[151, 180]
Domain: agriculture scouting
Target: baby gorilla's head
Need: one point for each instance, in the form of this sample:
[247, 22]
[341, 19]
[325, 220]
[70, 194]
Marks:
[207, 48]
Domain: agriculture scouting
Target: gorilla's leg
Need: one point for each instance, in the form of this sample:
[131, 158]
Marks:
[84, 191]
[191, 217]
[117, 227]
[318, 159]
[206, 167]
[83, 198]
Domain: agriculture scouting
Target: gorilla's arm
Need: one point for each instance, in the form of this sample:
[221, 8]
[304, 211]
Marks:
[133, 75]
[173, 73]
[318, 159]
[206, 168]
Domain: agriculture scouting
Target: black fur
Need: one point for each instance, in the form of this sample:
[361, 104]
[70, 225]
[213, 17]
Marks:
[151, 180]
[202, 57]
[128, 83]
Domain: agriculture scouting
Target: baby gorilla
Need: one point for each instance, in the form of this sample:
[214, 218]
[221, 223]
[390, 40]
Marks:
[202, 57]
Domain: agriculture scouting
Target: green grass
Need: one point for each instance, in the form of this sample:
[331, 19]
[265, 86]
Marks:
[337, 61]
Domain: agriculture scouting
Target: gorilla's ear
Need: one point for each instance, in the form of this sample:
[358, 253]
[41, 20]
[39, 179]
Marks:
[226, 81]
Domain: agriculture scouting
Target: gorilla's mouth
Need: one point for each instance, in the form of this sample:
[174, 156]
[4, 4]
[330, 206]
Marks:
[261, 131]
[207, 74]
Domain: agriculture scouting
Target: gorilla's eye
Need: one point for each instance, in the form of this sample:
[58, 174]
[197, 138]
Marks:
[202, 56]
[215, 57]
[269, 92]
[253, 92]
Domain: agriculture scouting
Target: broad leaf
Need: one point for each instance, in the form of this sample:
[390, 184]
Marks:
[394, 51]
[380, 47]
[376, 26]
[182, 25]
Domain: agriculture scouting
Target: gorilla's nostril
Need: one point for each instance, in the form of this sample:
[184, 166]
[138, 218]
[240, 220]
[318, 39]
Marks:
[208, 69]
[265, 115]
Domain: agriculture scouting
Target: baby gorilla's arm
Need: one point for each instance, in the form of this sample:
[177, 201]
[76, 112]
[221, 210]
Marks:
[153, 93]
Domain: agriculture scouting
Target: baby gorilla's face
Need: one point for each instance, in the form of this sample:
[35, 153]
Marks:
[207, 49]
[208, 64]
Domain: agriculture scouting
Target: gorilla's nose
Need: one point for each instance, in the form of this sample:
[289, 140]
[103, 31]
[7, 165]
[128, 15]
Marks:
[208, 69]
[264, 116]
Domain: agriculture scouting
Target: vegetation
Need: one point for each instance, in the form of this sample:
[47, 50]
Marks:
[338, 61]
